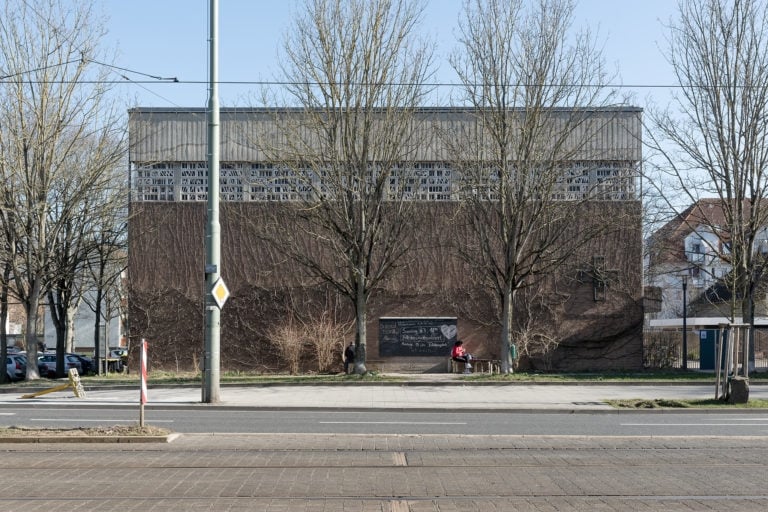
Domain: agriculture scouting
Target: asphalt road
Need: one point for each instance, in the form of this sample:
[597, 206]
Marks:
[218, 420]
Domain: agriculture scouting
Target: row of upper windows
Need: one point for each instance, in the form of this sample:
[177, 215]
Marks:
[430, 180]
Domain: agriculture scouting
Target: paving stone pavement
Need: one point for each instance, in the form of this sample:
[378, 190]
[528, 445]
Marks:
[390, 473]
[440, 392]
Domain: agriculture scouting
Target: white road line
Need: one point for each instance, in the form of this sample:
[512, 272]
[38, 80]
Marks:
[389, 423]
[7, 414]
[110, 420]
[694, 425]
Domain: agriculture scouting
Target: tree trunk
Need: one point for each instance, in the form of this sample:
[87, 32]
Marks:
[96, 325]
[507, 318]
[31, 330]
[3, 335]
[4, 319]
[69, 328]
[361, 336]
[748, 318]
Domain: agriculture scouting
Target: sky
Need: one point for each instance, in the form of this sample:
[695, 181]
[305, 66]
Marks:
[169, 38]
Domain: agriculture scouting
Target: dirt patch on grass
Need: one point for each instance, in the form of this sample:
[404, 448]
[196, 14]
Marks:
[649, 404]
[661, 403]
[112, 431]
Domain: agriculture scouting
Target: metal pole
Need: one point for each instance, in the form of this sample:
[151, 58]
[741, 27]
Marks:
[748, 339]
[685, 323]
[143, 377]
[213, 231]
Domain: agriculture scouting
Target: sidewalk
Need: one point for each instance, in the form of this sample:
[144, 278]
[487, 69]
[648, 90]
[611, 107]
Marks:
[420, 392]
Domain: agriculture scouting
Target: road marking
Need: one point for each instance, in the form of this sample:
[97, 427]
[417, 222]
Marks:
[7, 414]
[694, 425]
[110, 420]
[390, 423]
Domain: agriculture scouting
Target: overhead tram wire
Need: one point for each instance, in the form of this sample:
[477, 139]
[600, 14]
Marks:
[175, 80]
[155, 78]
[42, 68]
[140, 83]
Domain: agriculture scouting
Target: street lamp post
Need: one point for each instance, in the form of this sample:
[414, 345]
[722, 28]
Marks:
[685, 322]
[211, 390]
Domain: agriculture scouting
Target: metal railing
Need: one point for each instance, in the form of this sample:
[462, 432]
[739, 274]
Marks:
[664, 349]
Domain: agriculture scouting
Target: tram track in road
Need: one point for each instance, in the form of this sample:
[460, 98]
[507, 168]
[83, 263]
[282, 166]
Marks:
[395, 473]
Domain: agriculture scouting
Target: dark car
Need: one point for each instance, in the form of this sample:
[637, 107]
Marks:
[86, 363]
[46, 365]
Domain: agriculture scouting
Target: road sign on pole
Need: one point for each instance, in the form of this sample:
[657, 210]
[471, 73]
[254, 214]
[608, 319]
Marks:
[220, 292]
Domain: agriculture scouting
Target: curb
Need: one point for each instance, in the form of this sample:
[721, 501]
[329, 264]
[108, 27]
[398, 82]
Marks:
[596, 408]
[403, 383]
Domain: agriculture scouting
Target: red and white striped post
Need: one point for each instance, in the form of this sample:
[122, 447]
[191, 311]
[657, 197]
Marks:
[143, 365]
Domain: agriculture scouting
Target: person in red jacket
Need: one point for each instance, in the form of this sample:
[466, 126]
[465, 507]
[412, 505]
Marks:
[460, 355]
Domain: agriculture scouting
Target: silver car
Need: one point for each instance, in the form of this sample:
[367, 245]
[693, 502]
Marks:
[46, 365]
[16, 367]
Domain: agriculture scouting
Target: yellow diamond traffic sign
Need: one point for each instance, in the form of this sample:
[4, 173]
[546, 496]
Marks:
[220, 292]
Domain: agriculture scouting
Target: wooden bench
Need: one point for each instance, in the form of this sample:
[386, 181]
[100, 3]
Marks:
[456, 366]
[489, 366]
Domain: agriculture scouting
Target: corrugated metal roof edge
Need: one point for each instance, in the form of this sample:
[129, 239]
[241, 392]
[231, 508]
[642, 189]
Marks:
[194, 110]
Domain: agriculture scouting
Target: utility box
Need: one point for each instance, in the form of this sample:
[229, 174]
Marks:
[707, 349]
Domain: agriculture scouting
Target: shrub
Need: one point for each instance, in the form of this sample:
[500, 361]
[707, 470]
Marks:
[289, 343]
[327, 338]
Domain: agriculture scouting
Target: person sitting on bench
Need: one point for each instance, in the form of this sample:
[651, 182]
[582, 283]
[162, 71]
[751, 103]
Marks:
[460, 355]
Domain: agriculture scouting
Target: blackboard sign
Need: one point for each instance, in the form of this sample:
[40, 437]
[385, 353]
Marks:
[416, 336]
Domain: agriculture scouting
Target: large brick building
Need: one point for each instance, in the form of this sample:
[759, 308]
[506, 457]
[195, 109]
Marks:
[597, 294]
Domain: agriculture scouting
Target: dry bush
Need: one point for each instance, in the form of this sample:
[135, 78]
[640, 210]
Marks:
[535, 336]
[289, 341]
[536, 344]
[327, 338]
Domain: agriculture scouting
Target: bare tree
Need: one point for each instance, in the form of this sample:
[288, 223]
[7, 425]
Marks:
[356, 70]
[65, 291]
[7, 253]
[107, 261]
[713, 140]
[532, 86]
[59, 134]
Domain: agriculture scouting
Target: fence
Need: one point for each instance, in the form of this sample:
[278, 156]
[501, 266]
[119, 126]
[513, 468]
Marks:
[664, 349]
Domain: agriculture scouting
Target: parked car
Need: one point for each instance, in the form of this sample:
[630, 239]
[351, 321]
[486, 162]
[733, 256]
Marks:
[118, 359]
[87, 364]
[46, 365]
[16, 367]
[118, 353]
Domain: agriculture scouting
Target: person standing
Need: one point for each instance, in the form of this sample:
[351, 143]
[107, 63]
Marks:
[349, 356]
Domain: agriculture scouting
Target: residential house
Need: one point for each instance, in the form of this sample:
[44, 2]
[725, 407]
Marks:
[693, 248]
